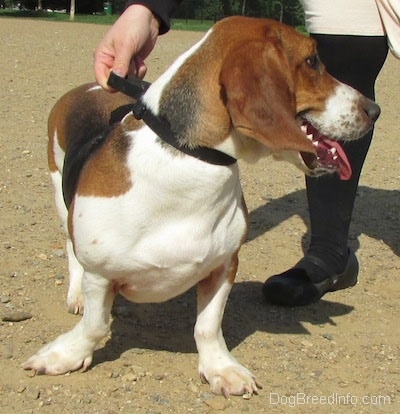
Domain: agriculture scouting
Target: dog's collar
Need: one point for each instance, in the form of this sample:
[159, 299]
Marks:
[135, 88]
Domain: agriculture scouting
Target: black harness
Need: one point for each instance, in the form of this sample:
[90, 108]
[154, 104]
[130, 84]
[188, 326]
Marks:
[135, 88]
[88, 142]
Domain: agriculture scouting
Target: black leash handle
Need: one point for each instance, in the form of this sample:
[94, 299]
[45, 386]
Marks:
[130, 86]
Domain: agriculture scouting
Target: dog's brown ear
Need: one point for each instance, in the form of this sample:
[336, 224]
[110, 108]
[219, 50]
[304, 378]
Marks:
[259, 95]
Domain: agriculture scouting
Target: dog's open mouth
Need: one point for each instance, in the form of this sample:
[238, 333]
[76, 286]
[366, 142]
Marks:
[330, 154]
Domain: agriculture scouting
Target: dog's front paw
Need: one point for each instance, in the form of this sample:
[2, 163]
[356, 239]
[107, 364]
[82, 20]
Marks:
[59, 357]
[231, 380]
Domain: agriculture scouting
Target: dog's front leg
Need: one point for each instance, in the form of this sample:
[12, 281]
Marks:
[74, 349]
[216, 365]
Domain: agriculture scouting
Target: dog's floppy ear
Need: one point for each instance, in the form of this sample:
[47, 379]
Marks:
[258, 90]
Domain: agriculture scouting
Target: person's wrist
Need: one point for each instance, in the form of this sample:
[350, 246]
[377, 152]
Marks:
[144, 14]
[156, 21]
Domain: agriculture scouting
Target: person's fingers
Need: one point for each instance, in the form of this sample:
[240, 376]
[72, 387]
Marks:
[124, 48]
[141, 68]
[102, 67]
[122, 63]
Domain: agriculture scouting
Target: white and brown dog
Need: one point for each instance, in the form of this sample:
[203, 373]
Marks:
[148, 220]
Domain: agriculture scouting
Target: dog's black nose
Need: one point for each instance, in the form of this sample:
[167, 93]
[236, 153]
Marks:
[372, 110]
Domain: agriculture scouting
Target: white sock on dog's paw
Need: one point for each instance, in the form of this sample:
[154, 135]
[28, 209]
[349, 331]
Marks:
[230, 379]
[68, 352]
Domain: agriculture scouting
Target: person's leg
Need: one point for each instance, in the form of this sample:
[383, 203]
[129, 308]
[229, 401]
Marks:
[328, 264]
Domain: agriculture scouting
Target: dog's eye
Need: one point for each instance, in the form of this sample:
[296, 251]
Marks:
[313, 62]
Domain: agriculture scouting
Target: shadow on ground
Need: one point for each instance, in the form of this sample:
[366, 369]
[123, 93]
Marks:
[169, 326]
[369, 200]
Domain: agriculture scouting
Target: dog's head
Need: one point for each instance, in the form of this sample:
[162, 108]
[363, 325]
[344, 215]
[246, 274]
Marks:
[256, 81]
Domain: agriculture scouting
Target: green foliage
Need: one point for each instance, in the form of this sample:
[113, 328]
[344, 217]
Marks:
[81, 6]
[196, 15]
[60, 17]
[118, 6]
[288, 11]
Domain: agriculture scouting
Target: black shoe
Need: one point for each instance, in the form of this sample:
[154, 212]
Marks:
[303, 284]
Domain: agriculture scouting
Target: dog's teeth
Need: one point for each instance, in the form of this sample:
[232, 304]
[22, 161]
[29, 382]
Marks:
[315, 143]
[335, 157]
[333, 151]
[304, 128]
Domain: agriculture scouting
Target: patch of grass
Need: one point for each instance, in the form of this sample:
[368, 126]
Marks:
[106, 19]
[192, 25]
[302, 30]
[177, 24]
[59, 16]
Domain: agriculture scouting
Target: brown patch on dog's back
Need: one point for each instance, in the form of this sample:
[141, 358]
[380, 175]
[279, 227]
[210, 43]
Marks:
[82, 112]
[106, 174]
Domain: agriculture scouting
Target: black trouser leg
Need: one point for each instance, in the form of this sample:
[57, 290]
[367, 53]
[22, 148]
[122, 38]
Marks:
[355, 60]
[331, 202]
[327, 266]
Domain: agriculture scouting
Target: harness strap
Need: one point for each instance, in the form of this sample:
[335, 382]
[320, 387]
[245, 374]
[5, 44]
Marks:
[135, 88]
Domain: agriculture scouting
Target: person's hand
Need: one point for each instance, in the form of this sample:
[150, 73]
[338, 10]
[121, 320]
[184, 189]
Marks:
[125, 46]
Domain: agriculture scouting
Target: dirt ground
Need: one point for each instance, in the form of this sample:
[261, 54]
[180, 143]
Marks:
[340, 355]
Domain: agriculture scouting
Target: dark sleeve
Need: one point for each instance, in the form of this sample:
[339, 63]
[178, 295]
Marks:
[164, 9]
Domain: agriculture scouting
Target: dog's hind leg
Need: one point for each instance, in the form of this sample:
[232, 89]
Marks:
[75, 300]
[216, 365]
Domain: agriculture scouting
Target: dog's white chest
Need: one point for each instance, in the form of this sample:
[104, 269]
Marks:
[181, 219]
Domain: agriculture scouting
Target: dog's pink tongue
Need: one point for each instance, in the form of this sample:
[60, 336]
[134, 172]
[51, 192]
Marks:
[324, 149]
